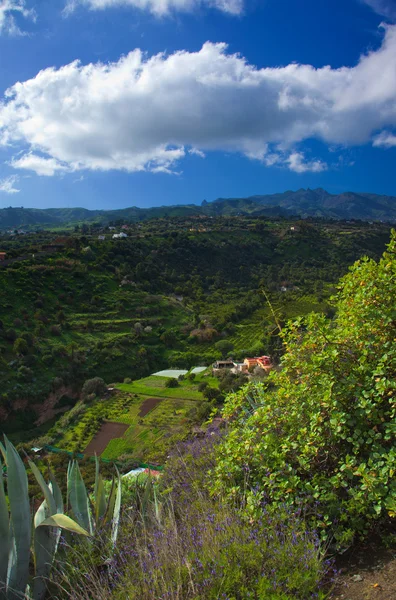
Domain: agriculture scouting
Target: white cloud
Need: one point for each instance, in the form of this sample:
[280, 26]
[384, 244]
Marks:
[385, 139]
[8, 10]
[145, 113]
[197, 152]
[161, 8]
[387, 8]
[40, 165]
[298, 163]
[7, 185]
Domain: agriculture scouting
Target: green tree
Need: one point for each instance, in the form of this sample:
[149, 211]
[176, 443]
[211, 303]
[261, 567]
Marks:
[21, 346]
[321, 431]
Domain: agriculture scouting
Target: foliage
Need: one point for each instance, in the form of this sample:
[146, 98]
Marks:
[171, 383]
[94, 386]
[16, 525]
[320, 433]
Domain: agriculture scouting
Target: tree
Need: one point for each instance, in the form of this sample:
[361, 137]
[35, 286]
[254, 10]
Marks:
[225, 347]
[21, 346]
[95, 386]
[171, 383]
[321, 430]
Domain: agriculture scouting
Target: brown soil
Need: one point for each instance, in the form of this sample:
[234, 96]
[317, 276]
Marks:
[106, 433]
[148, 406]
[46, 410]
[367, 573]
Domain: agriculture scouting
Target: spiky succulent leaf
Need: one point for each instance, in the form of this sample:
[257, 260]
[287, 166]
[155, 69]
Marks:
[4, 535]
[65, 522]
[21, 521]
[78, 498]
[117, 510]
[44, 488]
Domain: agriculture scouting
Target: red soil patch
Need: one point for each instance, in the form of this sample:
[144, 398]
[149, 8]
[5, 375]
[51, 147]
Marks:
[106, 433]
[148, 405]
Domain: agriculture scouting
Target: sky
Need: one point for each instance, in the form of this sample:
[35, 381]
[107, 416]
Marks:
[114, 103]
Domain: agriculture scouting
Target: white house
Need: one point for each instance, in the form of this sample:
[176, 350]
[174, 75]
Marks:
[118, 236]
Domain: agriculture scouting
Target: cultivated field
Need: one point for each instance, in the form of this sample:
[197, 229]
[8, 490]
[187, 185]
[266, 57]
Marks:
[141, 420]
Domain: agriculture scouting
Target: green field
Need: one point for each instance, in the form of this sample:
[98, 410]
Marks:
[150, 437]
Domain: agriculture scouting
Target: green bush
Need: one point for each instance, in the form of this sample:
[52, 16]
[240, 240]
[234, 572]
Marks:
[171, 382]
[324, 437]
[94, 386]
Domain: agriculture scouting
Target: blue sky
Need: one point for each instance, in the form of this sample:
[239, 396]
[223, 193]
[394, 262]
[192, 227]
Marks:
[114, 103]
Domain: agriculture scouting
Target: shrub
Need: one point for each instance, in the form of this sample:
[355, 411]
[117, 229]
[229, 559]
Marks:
[11, 335]
[20, 346]
[55, 330]
[325, 435]
[171, 382]
[202, 386]
[127, 380]
[94, 386]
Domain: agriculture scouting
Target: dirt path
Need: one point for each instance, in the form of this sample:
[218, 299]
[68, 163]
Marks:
[367, 573]
[107, 432]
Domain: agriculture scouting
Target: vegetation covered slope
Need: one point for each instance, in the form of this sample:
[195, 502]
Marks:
[320, 433]
[305, 203]
[169, 294]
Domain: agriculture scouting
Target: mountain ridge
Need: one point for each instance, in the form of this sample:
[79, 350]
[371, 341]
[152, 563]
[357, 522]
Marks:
[303, 203]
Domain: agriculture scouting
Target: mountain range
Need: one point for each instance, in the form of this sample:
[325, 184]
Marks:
[303, 203]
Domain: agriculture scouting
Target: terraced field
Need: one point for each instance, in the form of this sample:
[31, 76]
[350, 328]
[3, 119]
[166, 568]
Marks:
[154, 418]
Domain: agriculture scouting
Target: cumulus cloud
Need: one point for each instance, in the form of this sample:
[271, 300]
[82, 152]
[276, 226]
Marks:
[145, 113]
[387, 8]
[41, 165]
[7, 185]
[161, 8]
[8, 10]
[385, 139]
[298, 163]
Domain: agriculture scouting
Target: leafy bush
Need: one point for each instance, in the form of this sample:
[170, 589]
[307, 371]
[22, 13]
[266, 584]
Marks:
[171, 382]
[20, 346]
[95, 386]
[324, 437]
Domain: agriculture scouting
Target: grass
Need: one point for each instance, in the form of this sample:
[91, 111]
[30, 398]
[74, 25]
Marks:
[149, 437]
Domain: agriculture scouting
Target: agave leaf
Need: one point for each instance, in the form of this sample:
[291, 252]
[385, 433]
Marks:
[21, 520]
[41, 514]
[45, 541]
[65, 522]
[79, 499]
[44, 488]
[116, 513]
[4, 453]
[4, 535]
[110, 503]
[100, 502]
[96, 479]
[57, 494]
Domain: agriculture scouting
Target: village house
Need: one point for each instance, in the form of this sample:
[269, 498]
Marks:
[259, 361]
[219, 365]
[117, 236]
[3, 255]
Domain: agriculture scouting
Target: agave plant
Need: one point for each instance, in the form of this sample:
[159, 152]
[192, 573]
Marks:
[96, 514]
[16, 531]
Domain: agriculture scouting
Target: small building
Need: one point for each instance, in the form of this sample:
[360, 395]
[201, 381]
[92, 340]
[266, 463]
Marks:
[3, 255]
[220, 365]
[101, 238]
[258, 361]
[118, 236]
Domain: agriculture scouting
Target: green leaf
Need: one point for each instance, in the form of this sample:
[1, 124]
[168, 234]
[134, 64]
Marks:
[44, 488]
[65, 522]
[79, 501]
[21, 521]
[4, 534]
[117, 510]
